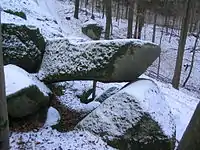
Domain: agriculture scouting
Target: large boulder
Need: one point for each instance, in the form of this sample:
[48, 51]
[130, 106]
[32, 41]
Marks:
[106, 61]
[23, 46]
[137, 117]
[92, 29]
[25, 93]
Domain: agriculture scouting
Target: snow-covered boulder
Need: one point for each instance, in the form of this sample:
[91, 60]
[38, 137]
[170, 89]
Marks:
[137, 117]
[106, 60]
[92, 29]
[53, 117]
[109, 92]
[23, 46]
[25, 93]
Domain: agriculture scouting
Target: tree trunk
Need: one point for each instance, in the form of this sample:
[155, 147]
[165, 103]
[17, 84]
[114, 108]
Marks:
[94, 89]
[159, 58]
[170, 37]
[4, 131]
[181, 47]
[86, 4]
[108, 6]
[136, 27]
[76, 9]
[117, 15]
[92, 17]
[192, 61]
[141, 13]
[154, 28]
[130, 21]
[103, 11]
[191, 136]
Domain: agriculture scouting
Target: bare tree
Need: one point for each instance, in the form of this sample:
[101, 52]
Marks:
[154, 28]
[4, 131]
[181, 47]
[130, 20]
[108, 6]
[76, 9]
[192, 61]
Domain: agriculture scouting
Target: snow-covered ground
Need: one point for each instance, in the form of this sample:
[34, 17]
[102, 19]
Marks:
[50, 17]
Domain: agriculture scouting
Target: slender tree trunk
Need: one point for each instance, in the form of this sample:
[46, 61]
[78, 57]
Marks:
[4, 130]
[154, 28]
[159, 58]
[130, 21]
[127, 9]
[103, 11]
[170, 37]
[191, 136]
[108, 5]
[166, 24]
[76, 9]
[192, 61]
[136, 27]
[92, 17]
[94, 89]
[181, 47]
[141, 14]
[86, 4]
[117, 15]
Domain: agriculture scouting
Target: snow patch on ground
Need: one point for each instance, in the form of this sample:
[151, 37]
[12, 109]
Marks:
[47, 138]
[53, 117]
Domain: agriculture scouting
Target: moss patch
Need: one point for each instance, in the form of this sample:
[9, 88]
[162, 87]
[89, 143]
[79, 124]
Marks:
[26, 102]
[16, 13]
[146, 135]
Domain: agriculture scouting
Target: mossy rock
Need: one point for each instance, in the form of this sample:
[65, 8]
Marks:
[16, 13]
[92, 30]
[22, 46]
[26, 102]
[106, 61]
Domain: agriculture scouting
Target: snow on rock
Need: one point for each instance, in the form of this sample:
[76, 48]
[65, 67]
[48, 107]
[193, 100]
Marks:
[25, 93]
[23, 46]
[91, 21]
[46, 138]
[18, 79]
[135, 112]
[37, 15]
[53, 117]
[92, 29]
[106, 60]
[182, 105]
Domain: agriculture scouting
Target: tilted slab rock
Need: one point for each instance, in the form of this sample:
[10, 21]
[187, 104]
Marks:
[135, 118]
[106, 61]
